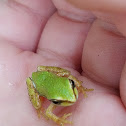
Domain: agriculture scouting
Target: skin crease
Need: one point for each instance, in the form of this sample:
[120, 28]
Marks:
[97, 44]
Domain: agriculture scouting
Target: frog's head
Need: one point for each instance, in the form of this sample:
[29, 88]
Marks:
[70, 97]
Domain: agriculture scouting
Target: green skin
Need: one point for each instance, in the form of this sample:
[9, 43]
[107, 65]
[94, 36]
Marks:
[53, 87]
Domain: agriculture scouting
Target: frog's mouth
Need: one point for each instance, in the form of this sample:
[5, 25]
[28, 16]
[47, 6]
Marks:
[61, 102]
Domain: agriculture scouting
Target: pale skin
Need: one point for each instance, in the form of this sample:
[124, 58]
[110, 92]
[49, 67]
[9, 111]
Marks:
[25, 43]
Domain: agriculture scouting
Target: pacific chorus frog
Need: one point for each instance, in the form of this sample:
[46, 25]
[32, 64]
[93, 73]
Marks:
[58, 86]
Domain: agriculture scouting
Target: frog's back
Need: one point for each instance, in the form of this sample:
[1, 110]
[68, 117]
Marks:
[50, 85]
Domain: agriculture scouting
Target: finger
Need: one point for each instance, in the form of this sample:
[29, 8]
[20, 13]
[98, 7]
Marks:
[117, 19]
[63, 36]
[116, 13]
[64, 39]
[21, 22]
[104, 53]
[66, 10]
[102, 5]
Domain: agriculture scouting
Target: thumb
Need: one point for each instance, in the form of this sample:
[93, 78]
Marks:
[102, 5]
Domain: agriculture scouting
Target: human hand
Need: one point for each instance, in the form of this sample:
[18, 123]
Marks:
[69, 36]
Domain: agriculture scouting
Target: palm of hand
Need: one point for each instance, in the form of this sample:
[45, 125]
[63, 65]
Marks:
[21, 53]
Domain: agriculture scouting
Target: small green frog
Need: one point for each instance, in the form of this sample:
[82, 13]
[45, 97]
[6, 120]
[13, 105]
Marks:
[58, 86]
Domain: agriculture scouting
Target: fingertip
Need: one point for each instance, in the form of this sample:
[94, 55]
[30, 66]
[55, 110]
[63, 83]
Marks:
[99, 5]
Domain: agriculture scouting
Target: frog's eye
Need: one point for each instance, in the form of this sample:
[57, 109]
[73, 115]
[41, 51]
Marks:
[72, 83]
[56, 102]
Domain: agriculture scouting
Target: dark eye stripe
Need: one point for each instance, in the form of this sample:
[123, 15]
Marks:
[56, 102]
[72, 83]
[73, 86]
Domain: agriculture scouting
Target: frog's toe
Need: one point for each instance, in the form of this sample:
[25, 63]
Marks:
[84, 90]
[66, 115]
[62, 120]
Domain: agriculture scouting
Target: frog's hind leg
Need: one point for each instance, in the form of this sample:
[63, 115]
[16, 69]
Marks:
[79, 85]
[57, 70]
[34, 96]
[58, 120]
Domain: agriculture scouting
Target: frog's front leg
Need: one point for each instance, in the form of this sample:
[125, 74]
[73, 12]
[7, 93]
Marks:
[34, 96]
[58, 120]
[57, 70]
[79, 85]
